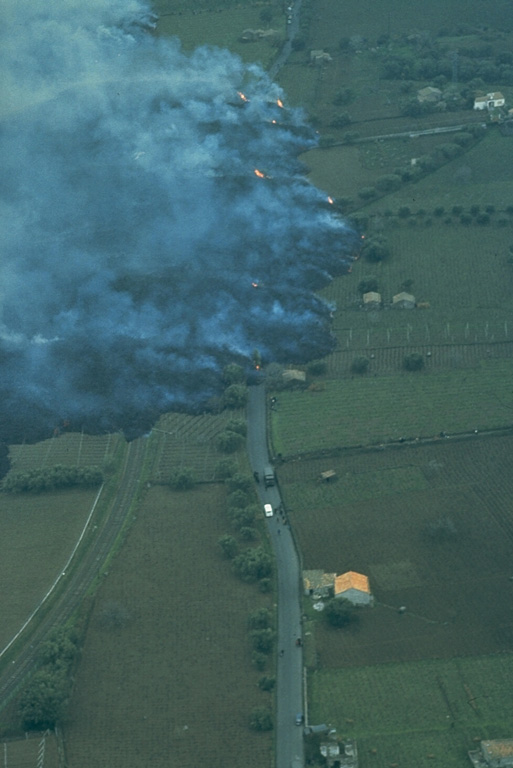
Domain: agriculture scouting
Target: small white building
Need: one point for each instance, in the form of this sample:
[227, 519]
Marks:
[354, 587]
[403, 300]
[489, 101]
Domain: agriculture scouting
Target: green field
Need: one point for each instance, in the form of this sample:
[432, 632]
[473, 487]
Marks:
[171, 678]
[379, 410]
[38, 536]
[417, 714]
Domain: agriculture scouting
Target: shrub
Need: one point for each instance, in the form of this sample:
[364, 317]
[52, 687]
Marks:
[237, 425]
[182, 480]
[339, 613]
[404, 212]
[235, 396]
[240, 482]
[229, 546]
[367, 193]
[261, 719]
[267, 683]
[388, 183]
[262, 640]
[376, 249]
[229, 442]
[234, 374]
[317, 368]
[413, 362]
[367, 284]
[259, 619]
[360, 365]
[225, 468]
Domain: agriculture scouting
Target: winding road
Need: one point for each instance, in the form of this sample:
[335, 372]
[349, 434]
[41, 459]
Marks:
[289, 693]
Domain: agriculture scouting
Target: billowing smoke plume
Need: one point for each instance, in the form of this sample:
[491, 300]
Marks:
[135, 227]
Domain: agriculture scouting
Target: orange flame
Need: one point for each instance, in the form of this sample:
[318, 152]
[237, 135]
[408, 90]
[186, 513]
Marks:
[279, 102]
[259, 174]
[242, 96]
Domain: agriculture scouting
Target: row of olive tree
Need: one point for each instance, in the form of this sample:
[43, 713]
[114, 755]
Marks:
[51, 478]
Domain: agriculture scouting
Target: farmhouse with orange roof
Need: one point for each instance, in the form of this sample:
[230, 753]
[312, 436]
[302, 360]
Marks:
[354, 587]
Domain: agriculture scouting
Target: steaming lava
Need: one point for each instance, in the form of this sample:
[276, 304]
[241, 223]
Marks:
[135, 223]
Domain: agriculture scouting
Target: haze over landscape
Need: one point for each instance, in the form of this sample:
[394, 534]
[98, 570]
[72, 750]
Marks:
[137, 228]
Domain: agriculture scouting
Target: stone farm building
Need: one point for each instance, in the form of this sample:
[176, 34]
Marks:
[429, 95]
[497, 753]
[354, 587]
[371, 300]
[318, 584]
[403, 300]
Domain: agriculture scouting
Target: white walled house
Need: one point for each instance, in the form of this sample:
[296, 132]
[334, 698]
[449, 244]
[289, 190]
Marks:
[489, 101]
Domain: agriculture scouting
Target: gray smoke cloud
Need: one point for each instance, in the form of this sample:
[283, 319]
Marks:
[135, 227]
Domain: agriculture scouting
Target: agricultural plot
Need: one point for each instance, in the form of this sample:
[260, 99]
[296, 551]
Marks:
[37, 749]
[181, 441]
[431, 527]
[419, 713]
[38, 536]
[368, 411]
[71, 449]
[207, 26]
[481, 176]
[166, 671]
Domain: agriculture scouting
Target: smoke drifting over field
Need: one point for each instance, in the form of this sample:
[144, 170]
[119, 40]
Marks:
[136, 225]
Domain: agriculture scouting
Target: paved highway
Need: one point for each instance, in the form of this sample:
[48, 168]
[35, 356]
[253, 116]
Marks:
[289, 686]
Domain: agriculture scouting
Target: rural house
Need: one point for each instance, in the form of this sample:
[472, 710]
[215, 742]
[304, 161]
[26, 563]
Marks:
[318, 584]
[497, 753]
[403, 300]
[429, 95]
[371, 300]
[354, 587]
[489, 101]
